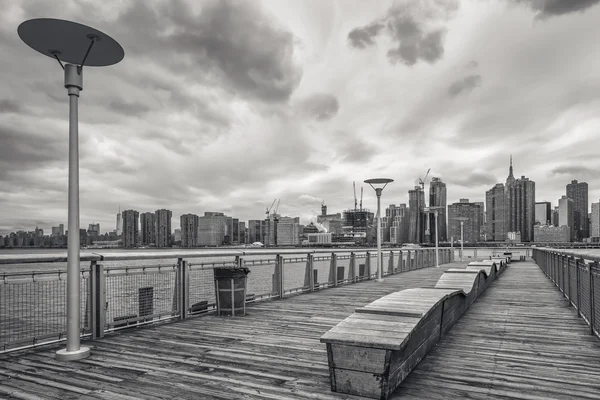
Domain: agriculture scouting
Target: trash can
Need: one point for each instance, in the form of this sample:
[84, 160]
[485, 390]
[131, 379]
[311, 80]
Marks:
[230, 290]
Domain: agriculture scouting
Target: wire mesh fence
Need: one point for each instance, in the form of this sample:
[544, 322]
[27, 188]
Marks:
[33, 308]
[294, 274]
[140, 291]
[577, 278]
[260, 279]
[140, 294]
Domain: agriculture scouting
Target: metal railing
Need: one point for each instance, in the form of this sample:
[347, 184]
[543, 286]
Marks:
[577, 276]
[485, 252]
[121, 291]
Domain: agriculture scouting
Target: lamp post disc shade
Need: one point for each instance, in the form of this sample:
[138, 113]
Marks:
[70, 42]
[379, 181]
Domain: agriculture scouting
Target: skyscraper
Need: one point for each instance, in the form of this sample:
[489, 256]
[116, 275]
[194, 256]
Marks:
[495, 206]
[119, 227]
[595, 222]
[211, 229]
[519, 207]
[437, 198]
[566, 215]
[543, 213]
[148, 229]
[578, 192]
[416, 203]
[162, 225]
[189, 230]
[255, 230]
[130, 228]
[471, 227]
[288, 232]
[482, 235]
[93, 233]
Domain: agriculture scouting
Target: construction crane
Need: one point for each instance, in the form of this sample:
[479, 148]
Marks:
[361, 195]
[269, 209]
[422, 181]
[277, 207]
[354, 186]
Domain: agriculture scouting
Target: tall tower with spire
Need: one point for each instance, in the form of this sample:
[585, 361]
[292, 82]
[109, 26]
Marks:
[511, 179]
[119, 223]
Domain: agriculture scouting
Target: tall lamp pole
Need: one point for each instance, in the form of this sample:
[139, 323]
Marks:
[462, 222]
[77, 45]
[435, 210]
[378, 182]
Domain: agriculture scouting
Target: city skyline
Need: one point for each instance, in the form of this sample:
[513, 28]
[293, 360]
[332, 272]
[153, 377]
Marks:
[337, 92]
[312, 219]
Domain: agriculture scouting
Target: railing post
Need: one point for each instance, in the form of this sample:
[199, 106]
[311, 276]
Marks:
[98, 299]
[554, 268]
[577, 263]
[281, 280]
[333, 270]
[309, 280]
[391, 263]
[352, 268]
[368, 265]
[184, 288]
[401, 261]
[475, 252]
[592, 302]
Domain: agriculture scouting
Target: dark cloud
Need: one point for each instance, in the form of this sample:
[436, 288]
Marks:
[574, 171]
[233, 42]
[9, 106]
[320, 106]
[464, 85]
[414, 27]
[551, 8]
[128, 108]
[355, 150]
[472, 64]
[28, 150]
[362, 37]
[472, 179]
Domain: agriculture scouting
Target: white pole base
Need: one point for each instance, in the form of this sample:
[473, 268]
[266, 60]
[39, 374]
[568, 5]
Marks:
[64, 355]
[379, 279]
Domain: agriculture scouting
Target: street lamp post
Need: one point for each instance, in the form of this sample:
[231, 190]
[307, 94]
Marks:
[378, 190]
[462, 222]
[435, 210]
[72, 43]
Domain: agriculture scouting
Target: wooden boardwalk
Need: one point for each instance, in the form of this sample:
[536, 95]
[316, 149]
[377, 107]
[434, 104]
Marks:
[272, 353]
[519, 340]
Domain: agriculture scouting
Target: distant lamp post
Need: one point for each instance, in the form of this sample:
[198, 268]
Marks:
[435, 210]
[378, 182]
[462, 223]
[75, 44]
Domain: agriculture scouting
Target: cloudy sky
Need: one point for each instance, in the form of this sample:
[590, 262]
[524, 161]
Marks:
[227, 105]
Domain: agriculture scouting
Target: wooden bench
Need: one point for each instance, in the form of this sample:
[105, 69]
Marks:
[373, 350]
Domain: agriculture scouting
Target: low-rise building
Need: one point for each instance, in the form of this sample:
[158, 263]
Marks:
[319, 238]
[551, 234]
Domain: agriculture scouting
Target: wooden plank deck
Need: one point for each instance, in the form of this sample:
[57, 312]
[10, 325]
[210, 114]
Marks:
[519, 340]
[272, 353]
